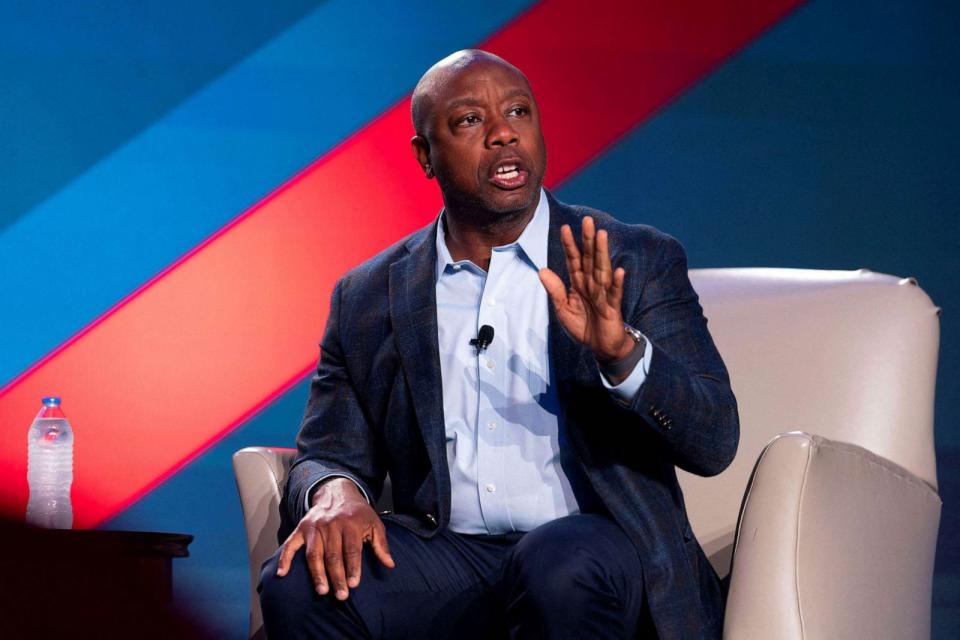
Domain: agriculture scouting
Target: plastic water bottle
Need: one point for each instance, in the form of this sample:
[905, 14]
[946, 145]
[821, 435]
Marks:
[50, 468]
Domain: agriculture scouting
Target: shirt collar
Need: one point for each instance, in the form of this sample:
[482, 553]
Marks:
[532, 242]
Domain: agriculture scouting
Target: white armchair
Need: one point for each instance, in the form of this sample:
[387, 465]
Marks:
[832, 524]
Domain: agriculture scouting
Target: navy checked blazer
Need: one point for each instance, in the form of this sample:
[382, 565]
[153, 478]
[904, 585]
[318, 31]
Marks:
[375, 406]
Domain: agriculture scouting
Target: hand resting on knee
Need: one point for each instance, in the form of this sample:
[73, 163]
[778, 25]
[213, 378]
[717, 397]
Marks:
[334, 532]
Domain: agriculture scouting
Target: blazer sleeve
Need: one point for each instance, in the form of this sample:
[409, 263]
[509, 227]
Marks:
[335, 436]
[686, 395]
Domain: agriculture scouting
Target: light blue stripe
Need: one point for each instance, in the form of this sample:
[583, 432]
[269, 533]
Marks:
[220, 151]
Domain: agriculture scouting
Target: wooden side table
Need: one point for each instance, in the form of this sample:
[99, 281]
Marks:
[90, 583]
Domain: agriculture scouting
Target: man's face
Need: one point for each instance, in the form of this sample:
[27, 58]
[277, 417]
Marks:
[484, 141]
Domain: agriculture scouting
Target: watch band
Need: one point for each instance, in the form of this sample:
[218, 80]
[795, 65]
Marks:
[623, 367]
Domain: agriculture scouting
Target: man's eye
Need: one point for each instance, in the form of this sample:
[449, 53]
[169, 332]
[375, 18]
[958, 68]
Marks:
[470, 119]
[518, 111]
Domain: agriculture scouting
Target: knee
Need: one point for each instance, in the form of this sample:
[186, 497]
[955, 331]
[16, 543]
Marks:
[575, 577]
[574, 561]
[281, 596]
[292, 608]
[548, 573]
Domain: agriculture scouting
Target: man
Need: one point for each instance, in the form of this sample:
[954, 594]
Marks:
[533, 472]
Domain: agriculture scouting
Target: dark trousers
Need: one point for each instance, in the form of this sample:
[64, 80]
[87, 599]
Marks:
[576, 577]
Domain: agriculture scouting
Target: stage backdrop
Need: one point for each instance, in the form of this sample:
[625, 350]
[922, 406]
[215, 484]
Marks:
[181, 183]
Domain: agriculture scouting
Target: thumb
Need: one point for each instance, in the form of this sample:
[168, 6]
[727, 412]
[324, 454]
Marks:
[554, 286]
[378, 542]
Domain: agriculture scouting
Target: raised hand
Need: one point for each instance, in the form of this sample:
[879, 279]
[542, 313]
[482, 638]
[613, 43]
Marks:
[590, 310]
[334, 531]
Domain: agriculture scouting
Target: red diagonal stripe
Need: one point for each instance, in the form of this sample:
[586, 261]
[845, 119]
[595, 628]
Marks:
[233, 324]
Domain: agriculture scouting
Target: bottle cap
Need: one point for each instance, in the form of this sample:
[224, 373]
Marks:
[51, 401]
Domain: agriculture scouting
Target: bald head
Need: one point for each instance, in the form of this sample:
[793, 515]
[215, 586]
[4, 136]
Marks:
[478, 134]
[433, 82]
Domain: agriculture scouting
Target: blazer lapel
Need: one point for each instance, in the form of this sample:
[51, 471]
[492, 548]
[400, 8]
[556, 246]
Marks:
[566, 355]
[573, 368]
[413, 312]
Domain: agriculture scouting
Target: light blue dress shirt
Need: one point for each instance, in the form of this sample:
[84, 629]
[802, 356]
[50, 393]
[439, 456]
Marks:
[504, 432]
[505, 440]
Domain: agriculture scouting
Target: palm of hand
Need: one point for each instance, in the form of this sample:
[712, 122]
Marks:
[590, 310]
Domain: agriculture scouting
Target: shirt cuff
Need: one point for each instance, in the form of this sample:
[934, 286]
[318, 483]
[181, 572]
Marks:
[316, 484]
[628, 388]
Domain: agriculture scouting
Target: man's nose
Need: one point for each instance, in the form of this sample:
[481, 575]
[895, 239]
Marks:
[501, 133]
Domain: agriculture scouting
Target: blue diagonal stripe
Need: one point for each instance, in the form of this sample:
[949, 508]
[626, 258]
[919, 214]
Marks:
[217, 153]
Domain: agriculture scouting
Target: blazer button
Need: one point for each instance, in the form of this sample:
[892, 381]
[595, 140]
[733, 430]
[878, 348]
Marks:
[386, 513]
[432, 520]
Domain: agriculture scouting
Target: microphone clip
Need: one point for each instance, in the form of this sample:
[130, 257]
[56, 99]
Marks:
[483, 339]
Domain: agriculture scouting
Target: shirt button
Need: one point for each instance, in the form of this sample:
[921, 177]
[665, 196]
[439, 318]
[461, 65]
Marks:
[492, 302]
[491, 488]
[492, 425]
[490, 363]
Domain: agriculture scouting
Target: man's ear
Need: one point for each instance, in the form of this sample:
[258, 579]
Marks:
[421, 151]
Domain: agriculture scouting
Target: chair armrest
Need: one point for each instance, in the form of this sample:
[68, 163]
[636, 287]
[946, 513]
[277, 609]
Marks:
[833, 542]
[261, 473]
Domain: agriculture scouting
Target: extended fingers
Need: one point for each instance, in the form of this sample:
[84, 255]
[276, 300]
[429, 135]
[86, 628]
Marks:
[602, 269]
[570, 250]
[555, 287]
[290, 547]
[615, 292]
[595, 261]
[380, 547]
[315, 563]
[333, 560]
[352, 555]
[588, 234]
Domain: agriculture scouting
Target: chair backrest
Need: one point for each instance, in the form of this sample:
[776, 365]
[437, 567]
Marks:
[849, 355]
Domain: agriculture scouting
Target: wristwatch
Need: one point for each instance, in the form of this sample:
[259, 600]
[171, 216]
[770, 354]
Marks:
[623, 367]
[636, 335]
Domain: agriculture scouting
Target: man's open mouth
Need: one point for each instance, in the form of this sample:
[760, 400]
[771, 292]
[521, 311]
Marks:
[509, 174]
